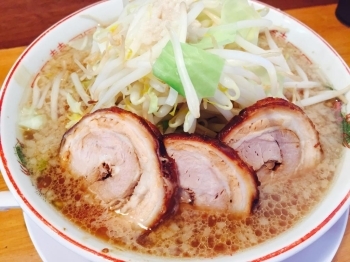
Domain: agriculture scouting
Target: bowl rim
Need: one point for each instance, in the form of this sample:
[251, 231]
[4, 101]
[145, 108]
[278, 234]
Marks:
[26, 204]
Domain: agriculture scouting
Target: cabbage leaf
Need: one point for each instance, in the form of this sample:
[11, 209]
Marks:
[203, 68]
[239, 10]
[217, 36]
[232, 12]
[29, 118]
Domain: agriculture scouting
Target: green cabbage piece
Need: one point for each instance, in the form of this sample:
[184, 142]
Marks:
[153, 105]
[238, 10]
[29, 118]
[217, 35]
[232, 12]
[203, 68]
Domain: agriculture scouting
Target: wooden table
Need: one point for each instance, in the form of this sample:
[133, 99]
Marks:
[15, 244]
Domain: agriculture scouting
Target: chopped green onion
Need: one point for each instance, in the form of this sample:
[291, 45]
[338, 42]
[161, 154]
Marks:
[346, 131]
[20, 154]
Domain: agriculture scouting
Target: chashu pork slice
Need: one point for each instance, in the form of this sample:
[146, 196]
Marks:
[125, 163]
[275, 137]
[211, 175]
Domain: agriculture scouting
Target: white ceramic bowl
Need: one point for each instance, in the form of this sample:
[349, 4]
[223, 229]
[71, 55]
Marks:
[33, 58]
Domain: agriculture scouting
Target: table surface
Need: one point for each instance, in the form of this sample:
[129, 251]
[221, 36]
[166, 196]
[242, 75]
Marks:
[15, 243]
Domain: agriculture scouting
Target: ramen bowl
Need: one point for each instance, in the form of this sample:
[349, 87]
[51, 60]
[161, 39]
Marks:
[323, 216]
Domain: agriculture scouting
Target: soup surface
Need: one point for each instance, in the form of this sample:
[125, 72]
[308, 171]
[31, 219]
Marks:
[284, 201]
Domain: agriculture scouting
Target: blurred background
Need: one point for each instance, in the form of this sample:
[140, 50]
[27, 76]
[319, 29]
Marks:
[21, 21]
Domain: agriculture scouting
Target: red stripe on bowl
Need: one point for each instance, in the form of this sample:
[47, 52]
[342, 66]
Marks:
[103, 255]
